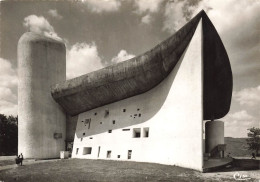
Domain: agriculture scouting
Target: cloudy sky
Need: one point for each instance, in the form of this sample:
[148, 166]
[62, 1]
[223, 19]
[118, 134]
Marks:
[98, 33]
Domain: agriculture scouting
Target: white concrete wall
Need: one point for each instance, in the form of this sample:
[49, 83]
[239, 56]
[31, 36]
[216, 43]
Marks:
[41, 63]
[172, 111]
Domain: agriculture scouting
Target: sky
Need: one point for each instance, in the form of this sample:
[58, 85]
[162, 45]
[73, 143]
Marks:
[98, 33]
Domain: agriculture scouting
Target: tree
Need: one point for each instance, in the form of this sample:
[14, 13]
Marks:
[8, 135]
[253, 141]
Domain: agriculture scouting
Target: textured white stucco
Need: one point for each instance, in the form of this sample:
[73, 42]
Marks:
[172, 111]
[41, 63]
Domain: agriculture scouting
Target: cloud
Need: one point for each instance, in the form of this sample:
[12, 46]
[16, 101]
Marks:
[236, 124]
[248, 96]
[102, 5]
[54, 13]
[151, 6]
[40, 25]
[82, 58]
[241, 115]
[8, 87]
[121, 56]
[146, 19]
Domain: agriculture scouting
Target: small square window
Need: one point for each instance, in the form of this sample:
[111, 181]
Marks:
[118, 156]
[90, 137]
[136, 132]
[100, 122]
[124, 110]
[138, 109]
[95, 113]
[87, 150]
[114, 122]
[83, 134]
[140, 115]
[109, 131]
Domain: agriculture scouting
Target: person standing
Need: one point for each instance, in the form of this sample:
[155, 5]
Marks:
[21, 158]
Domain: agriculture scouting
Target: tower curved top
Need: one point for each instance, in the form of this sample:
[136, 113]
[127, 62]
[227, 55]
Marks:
[142, 73]
[32, 37]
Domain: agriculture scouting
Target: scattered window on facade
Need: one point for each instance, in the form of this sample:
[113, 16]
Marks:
[124, 110]
[109, 131]
[136, 132]
[98, 151]
[87, 122]
[90, 137]
[118, 156]
[77, 151]
[114, 122]
[140, 115]
[87, 150]
[127, 129]
[81, 139]
[146, 132]
[100, 122]
[106, 112]
[138, 109]
[95, 113]
[109, 154]
[129, 154]
[84, 134]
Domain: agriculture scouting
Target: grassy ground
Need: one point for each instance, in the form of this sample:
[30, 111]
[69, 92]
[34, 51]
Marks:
[101, 170]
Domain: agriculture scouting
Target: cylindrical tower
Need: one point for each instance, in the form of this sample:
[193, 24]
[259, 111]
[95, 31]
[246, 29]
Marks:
[214, 134]
[42, 122]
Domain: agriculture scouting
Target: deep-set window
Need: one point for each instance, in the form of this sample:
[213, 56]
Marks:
[145, 132]
[136, 132]
[87, 150]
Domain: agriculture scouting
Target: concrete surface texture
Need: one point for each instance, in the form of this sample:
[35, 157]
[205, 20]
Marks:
[41, 63]
[214, 134]
[163, 125]
[144, 72]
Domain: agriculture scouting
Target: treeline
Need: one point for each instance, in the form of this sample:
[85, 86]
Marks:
[8, 135]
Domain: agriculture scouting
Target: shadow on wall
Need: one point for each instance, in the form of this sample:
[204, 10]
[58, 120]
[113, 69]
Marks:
[125, 113]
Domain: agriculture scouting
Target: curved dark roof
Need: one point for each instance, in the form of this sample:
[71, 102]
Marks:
[142, 73]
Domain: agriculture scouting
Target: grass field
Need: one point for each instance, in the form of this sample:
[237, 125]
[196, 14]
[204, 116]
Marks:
[107, 170]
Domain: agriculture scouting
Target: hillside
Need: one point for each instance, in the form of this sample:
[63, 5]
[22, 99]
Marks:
[237, 147]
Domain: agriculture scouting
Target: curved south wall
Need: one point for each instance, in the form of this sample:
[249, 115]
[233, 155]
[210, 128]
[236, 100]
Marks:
[42, 123]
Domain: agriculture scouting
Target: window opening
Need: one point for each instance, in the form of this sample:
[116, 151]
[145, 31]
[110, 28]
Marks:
[87, 150]
[129, 154]
[146, 132]
[136, 133]
[98, 151]
[109, 154]
[127, 129]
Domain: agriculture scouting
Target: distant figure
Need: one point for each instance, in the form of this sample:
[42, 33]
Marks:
[253, 156]
[20, 159]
